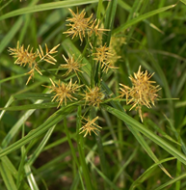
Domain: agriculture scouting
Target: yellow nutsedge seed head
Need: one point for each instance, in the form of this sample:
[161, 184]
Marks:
[24, 56]
[47, 56]
[90, 126]
[79, 24]
[28, 57]
[105, 57]
[63, 92]
[71, 65]
[93, 96]
[142, 92]
[94, 28]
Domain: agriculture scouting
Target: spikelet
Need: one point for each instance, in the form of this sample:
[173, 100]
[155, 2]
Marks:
[47, 56]
[104, 56]
[82, 26]
[90, 126]
[142, 92]
[63, 92]
[79, 24]
[72, 65]
[94, 96]
[23, 56]
[26, 57]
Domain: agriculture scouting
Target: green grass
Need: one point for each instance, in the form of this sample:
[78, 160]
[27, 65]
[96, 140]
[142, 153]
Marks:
[41, 147]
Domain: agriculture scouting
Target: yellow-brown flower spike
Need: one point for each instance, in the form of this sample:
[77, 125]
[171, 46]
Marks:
[79, 24]
[32, 59]
[63, 91]
[23, 56]
[104, 56]
[142, 92]
[82, 26]
[90, 126]
[94, 28]
[48, 55]
[72, 65]
[93, 96]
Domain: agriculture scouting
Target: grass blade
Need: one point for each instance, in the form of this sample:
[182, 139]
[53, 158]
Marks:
[139, 127]
[47, 6]
[142, 17]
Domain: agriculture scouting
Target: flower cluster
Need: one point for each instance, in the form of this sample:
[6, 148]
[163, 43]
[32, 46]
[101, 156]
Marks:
[28, 57]
[142, 92]
[63, 91]
[90, 126]
[104, 56]
[72, 65]
[93, 96]
[82, 26]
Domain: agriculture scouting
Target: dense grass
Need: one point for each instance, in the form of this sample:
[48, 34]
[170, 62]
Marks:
[41, 147]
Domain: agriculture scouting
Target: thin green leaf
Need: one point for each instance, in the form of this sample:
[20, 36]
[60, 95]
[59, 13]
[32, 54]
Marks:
[52, 120]
[139, 127]
[32, 106]
[142, 17]
[47, 6]
[7, 177]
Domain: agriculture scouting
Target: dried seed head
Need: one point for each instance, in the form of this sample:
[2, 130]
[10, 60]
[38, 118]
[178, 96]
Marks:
[63, 91]
[105, 57]
[79, 24]
[95, 28]
[28, 57]
[23, 56]
[93, 96]
[72, 65]
[90, 126]
[142, 92]
[48, 57]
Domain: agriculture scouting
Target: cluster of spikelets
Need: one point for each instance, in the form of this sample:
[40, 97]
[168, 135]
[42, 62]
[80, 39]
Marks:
[86, 27]
[92, 97]
[82, 26]
[63, 91]
[142, 92]
[32, 59]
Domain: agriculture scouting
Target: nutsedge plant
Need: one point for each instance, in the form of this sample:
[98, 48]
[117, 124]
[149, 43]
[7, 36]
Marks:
[101, 101]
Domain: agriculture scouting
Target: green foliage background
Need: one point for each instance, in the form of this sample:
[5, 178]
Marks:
[40, 145]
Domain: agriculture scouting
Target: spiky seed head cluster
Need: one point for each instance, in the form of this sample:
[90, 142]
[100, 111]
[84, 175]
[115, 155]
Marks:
[104, 56]
[142, 92]
[94, 96]
[80, 26]
[72, 65]
[63, 91]
[28, 57]
[23, 56]
[90, 126]
[48, 55]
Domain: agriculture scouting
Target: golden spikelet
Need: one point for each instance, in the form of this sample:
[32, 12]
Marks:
[142, 92]
[63, 92]
[104, 56]
[94, 96]
[95, 28]
[79, 24]
[23, 56]
[90, 126]
[48, 55]
[32, 59]
[82, 26]
[71, 65]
